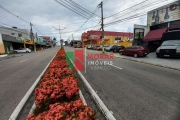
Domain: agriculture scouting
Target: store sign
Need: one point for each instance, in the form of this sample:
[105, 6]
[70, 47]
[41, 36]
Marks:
[19, 38]
[164, 14]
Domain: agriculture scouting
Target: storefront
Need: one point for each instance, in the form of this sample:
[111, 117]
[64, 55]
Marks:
[164, 24]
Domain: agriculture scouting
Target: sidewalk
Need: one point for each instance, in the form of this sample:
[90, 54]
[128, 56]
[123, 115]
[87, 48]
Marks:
[150, 59]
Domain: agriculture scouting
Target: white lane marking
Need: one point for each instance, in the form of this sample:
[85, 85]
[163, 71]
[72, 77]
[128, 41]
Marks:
[116, 67]
[174, 98]
[24, 60]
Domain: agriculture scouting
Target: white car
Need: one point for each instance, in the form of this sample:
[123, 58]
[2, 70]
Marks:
[22, 50]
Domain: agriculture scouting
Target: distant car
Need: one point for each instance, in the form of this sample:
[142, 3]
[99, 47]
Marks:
[169, 48]
[22, 50]
[135, 51]
[116, 48]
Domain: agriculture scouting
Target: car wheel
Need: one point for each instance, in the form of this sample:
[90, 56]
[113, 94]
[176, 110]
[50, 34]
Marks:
[15, 51]
[144, 55]
[135, 55]
[158, 56]
[121, 53]
[27, 51]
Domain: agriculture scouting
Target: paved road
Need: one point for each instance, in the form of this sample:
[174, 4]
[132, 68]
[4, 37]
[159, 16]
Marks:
[137, 91]
[17, 75]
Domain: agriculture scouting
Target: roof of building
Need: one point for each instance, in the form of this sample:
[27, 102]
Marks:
[107, 33]
[46, 38]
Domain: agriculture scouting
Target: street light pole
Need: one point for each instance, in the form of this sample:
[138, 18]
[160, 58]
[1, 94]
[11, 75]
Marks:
[60, 35]
[32, 38]
[59, 32]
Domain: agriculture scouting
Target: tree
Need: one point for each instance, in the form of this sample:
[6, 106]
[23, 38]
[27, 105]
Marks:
[66, 43]
[54, 41]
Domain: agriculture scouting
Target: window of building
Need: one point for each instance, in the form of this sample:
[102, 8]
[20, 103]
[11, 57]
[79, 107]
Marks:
[12, 33]
[117, 38]
[19, 35]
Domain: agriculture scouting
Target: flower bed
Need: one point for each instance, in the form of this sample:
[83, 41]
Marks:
[57, 96]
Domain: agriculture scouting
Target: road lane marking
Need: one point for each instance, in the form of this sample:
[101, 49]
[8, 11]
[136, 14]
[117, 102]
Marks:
[24, 60]
[116, 67]
[174, 98]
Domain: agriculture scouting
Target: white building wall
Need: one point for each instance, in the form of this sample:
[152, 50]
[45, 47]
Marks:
[15, 32]
[146, 28]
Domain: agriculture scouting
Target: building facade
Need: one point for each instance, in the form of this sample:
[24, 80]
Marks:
[164, 24]
[16, 32]
[94, 38]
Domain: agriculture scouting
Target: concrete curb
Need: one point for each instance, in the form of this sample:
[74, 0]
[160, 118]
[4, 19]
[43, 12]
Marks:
[1, 56]
[140, 61]
[96, 98]
[19, 107]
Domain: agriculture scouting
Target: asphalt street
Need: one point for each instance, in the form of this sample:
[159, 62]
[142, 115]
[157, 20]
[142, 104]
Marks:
[17, 75]
[136, 91]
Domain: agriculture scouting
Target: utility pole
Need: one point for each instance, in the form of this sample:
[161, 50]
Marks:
[102, 25]
[37, 39]
[32, 38]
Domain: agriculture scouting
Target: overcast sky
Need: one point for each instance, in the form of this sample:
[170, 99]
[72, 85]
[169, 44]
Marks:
[44, 14]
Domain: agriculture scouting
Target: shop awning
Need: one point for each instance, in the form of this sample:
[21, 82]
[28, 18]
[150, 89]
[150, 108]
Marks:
[155, 34]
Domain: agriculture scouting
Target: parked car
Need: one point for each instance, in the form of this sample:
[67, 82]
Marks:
[109, 48]
[89, 47]
[95, 47]
[22, 50]
[99, 48]
[116, 48]
[170, 48]
[135, 51]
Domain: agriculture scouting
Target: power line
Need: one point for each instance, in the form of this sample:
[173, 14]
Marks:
[17, 16]
[144, 12]
[125, 9]
[13, 14]
[142, 7]
[78, 30]
[82, 8]
[72, 9]
[37, 30]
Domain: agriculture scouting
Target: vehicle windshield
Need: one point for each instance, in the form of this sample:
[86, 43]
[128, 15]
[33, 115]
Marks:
[171, 43]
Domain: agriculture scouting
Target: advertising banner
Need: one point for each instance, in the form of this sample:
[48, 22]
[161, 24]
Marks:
[164, 14]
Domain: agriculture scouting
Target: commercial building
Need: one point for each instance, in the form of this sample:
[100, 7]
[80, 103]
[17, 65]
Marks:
[94, 38]
[164, 24]
[15, 38]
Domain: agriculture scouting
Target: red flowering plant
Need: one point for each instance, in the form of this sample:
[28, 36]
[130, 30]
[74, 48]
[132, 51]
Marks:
[58, 85]
[74, 110]
[52, 90]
